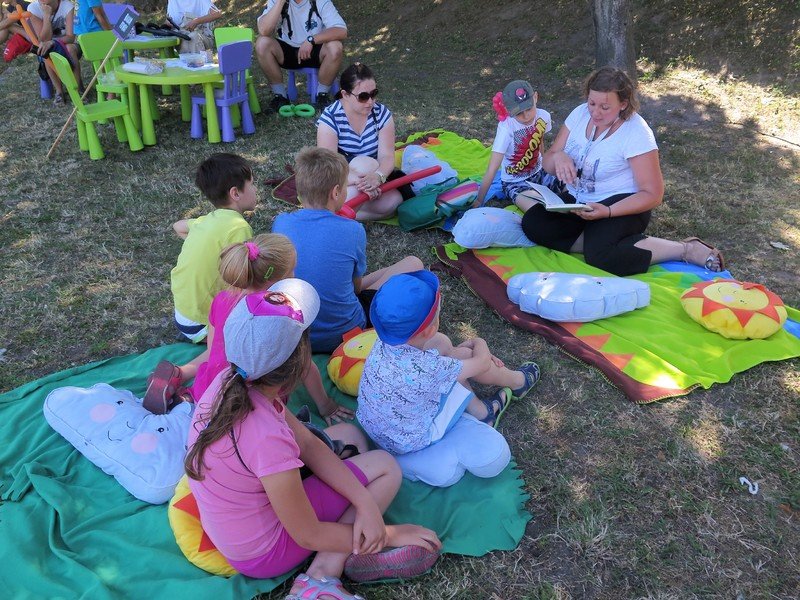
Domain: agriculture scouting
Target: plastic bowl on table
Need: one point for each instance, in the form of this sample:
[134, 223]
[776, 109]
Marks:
[193, 59]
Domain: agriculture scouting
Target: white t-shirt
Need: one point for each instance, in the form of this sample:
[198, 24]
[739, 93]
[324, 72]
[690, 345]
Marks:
[605, 171]
[58, 21]
[299, 15]
[521, 146]
[180, 10]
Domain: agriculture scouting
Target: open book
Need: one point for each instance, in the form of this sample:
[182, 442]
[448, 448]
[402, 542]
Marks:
[550, 200]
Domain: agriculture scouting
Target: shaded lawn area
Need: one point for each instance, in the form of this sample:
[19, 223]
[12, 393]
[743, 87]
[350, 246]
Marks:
[628, 501]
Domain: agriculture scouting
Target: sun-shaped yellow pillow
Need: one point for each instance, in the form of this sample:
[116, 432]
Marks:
[734, 309]
[184, 518]
[346, 364]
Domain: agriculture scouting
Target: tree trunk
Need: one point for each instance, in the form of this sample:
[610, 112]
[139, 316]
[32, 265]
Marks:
[614, 35]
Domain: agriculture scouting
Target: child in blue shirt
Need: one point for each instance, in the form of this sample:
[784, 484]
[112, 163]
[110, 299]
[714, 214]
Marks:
[332, 250]
[90, 16]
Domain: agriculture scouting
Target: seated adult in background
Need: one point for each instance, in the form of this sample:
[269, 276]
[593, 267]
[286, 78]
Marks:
[9, 26]
[52, 20]
[197, 18]
[608, 157]
[362, 129]
[310, 34]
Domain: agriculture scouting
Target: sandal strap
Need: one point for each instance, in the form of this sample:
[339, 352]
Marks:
[495, 405]
[531, 372]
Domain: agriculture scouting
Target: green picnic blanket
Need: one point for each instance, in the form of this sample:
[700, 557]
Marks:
[68, 530]
[651, 353]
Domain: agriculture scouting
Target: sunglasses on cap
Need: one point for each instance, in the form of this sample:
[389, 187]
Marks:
[363, 97]
[274, 304]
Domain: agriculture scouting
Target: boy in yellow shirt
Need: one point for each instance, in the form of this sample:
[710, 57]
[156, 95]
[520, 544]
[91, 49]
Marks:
[227, 181]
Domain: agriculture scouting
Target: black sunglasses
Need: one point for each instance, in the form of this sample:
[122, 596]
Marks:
[364, 96]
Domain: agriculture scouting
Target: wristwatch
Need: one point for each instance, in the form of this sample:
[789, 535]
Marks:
[381, 176]
[310, 39]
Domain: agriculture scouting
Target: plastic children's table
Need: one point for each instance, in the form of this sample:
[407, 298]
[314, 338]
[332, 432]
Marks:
[147, 41]
[140, 104]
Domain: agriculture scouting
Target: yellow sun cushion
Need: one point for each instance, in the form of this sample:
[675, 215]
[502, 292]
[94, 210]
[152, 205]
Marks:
[734, 309]
[184, 518]
[346, 364]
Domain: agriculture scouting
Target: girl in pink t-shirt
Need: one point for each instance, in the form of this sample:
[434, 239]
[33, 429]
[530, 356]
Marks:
[246, 267]
[245, 454]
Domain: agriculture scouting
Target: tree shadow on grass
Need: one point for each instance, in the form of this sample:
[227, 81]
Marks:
[749, 174]
[751, 40]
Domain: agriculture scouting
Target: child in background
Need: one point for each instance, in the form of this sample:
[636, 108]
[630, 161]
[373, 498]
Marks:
[518, 145]
[227, 181]
[195, 17]
[415, 384]
[52, 20]
[332, 250]
[245, 454]
[247, 267]
[90, 16]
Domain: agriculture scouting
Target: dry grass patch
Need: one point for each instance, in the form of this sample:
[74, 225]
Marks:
[629, 501]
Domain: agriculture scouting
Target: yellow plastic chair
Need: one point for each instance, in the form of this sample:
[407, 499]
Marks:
[87, 115]
[225, 35]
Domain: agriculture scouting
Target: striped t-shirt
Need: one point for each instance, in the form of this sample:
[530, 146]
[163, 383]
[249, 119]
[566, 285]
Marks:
[350, 143]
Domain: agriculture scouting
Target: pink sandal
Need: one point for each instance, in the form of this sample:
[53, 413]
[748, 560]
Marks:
[311, 588]
[397, 563]
[161, 386]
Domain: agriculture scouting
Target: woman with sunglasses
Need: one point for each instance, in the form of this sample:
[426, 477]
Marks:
[362, 129]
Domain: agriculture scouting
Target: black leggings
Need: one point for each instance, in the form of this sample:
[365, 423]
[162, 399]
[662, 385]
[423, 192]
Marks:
[608, 244]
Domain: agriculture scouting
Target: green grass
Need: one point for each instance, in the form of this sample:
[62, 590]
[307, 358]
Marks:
[629, 501]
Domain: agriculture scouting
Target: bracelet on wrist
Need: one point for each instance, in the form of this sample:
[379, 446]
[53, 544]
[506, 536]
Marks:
[381, 176]
[609, 212]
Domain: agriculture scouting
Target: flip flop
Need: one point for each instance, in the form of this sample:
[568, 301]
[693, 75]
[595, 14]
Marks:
[398, 563]
[497, 399]
[713, 255]
[330, 587]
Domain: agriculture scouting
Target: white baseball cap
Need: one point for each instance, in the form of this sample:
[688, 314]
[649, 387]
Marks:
[264, 328]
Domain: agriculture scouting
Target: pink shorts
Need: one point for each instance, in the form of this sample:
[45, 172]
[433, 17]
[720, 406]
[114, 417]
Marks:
[286, 554]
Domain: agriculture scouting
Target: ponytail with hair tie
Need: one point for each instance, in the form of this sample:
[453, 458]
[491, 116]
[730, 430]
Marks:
[253, 251]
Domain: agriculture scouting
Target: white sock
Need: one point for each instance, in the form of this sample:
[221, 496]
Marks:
[323, 89]
[279, 89]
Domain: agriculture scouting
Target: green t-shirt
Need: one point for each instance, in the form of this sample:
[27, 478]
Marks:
[195, 279]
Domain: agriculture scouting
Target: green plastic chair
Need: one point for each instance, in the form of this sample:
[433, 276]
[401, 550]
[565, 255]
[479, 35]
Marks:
[225, 35]
[95, 46]
[87, 114]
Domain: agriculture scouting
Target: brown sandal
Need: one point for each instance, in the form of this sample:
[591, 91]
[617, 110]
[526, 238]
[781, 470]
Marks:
[715, 257]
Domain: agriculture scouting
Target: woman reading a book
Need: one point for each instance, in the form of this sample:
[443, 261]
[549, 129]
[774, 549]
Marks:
[607, 156]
